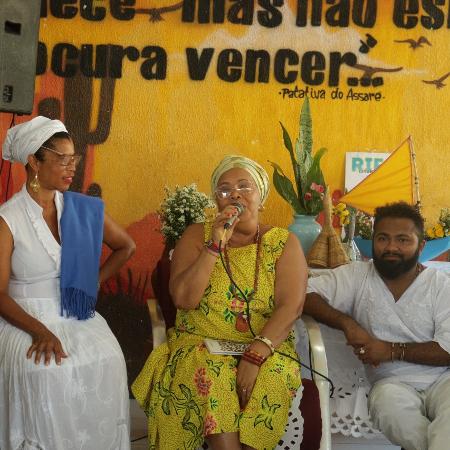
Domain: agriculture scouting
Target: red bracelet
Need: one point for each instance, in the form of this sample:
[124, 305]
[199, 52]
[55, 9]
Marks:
[211, 245]
[254, 357]
[255, 362]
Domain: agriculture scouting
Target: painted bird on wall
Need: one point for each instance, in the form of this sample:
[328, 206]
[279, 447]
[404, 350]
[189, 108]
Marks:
[439, 82]
[155, 14]
[413, 43]
[370, 71]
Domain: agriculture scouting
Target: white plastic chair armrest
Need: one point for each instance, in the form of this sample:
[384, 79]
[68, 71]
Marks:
[319, 363]
[157, 321]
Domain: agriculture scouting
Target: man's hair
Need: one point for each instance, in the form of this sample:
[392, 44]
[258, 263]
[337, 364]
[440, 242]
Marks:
[400, 210]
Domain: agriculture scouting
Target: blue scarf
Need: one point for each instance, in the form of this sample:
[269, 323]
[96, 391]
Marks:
[81, 241]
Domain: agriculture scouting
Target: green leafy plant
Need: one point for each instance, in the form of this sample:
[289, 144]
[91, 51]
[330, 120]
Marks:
[307, 195]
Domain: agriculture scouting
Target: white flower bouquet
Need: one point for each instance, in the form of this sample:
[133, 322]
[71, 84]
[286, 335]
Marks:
[182, 207]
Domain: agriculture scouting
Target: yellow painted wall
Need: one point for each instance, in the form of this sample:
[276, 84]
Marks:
[174, 131]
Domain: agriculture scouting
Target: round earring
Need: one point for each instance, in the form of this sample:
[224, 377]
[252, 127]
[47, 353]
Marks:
[34, 185]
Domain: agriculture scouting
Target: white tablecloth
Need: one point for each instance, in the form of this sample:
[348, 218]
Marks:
[348, 406]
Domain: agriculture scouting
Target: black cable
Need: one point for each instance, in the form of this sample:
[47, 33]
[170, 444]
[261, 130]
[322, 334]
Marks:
[11, 124]
[139, 438]
[247, 302]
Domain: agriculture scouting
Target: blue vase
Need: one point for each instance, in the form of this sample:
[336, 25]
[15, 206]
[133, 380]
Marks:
[306, 229]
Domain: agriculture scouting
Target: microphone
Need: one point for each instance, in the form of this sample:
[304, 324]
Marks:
[231, 220]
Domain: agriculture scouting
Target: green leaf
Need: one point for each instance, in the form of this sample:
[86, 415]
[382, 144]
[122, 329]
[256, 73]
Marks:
[186, 391]
[204, 307]
[228, 316]
[305, 128]
[284, 187]
[288, 145]
[165, 406]
[305, 166]
[195, 408]
[259, 419]
[189, 426]
[213, 404]
[315, 175]
[187, 416]
[214, 367]
[163, 392]
[237, 418]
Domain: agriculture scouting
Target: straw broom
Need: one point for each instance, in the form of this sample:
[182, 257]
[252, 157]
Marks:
[327, 250]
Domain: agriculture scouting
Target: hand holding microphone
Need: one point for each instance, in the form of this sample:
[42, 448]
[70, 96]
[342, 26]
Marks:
[229, 223]
[224, 223]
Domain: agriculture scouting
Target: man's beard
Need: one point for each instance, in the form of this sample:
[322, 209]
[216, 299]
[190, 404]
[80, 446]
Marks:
[392, 269]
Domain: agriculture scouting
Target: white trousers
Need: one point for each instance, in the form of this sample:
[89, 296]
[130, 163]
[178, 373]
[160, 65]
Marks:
[413, 419]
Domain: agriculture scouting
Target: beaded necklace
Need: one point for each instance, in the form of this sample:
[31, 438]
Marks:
[242, 323]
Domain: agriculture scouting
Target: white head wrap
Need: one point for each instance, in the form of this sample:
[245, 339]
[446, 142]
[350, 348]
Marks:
[256, 171]
[26, 138]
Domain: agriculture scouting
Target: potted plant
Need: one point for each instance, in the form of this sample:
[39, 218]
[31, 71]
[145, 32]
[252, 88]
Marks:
[180, 208]
[306, 194]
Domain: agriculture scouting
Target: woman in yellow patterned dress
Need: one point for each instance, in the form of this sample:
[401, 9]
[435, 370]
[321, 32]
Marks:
[190, 394]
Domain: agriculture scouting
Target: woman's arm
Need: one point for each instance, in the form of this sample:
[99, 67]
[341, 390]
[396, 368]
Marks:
[121, 244]
[290, 285]
[291, 276]
[192, 262]
[190, 269]
[44, 343]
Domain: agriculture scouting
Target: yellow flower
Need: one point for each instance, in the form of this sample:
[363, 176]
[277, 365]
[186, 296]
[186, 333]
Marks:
[430, 233]
[439, 231]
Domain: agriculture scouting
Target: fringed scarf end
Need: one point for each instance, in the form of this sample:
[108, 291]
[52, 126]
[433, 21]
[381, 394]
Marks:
[76, 303]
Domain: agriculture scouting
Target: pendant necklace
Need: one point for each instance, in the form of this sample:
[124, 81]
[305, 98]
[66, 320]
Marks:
[242, 323]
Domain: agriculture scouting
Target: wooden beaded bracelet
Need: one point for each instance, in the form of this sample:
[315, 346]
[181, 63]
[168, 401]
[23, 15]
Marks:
[266, 341]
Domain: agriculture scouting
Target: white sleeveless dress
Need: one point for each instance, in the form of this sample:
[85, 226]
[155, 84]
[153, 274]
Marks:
[82, 404]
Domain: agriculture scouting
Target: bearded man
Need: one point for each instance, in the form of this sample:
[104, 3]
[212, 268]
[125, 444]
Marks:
[395, 313]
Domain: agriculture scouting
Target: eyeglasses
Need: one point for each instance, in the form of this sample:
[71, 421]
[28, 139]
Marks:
[242, 189]
[65, 160]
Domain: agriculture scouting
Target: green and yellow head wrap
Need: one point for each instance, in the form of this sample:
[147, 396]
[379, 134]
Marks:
[256, 171]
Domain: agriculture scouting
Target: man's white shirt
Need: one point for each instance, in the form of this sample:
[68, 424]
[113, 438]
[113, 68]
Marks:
[422, 314]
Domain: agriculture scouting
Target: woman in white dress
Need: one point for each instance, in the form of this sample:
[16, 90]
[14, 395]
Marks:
[63, 381]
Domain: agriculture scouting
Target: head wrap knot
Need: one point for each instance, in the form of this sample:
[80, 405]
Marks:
[256, 171]
[27, 138]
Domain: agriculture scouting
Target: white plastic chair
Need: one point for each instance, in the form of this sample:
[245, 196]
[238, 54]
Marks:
[319, 364]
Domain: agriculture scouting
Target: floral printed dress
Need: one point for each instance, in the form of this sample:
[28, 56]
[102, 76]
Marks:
[189, 393]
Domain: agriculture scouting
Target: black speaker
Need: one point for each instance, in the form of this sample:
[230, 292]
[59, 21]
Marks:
[19, 29]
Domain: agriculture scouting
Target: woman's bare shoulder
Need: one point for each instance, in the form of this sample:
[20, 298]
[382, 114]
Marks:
[194, 230]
